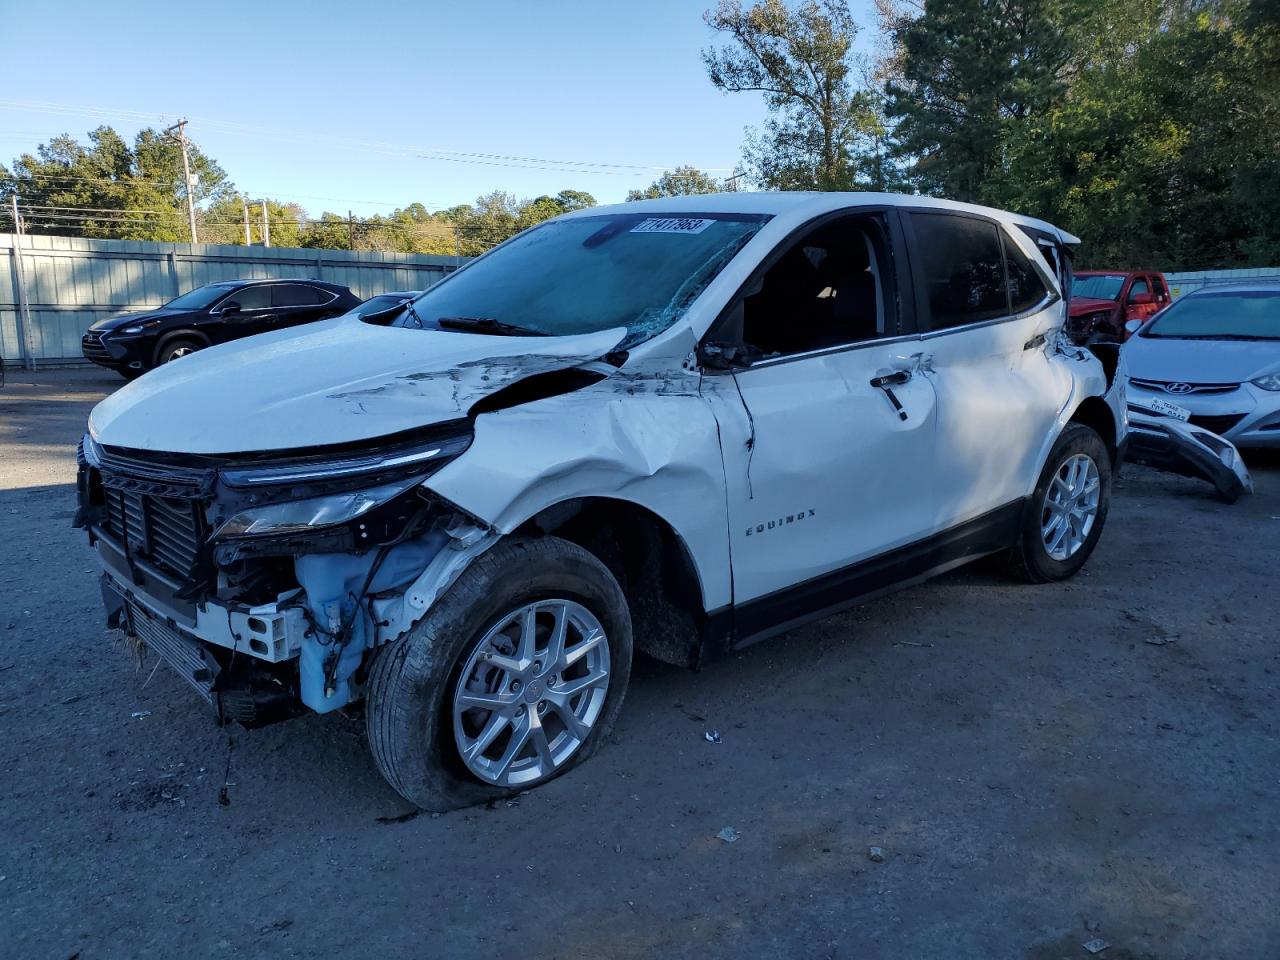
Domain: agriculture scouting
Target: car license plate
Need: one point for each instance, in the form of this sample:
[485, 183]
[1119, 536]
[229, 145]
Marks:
[1162, 407]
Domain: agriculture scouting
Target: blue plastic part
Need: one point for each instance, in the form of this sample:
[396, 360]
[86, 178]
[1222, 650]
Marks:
[332, 583]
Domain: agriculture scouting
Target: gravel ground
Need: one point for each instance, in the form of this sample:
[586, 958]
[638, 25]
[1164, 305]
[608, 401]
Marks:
[1042, 766]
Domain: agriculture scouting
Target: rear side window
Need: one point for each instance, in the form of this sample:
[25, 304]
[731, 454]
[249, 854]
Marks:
[295, 295]
[961, 266]
[1026, 289]
[251, 298]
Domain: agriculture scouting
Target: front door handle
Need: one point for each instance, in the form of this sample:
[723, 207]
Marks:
[886, 382]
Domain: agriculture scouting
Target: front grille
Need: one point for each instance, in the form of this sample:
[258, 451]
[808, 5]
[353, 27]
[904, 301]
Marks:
[1216, 424]
[166, 531]
[1164, 385]
[174, 647]
[92, 348]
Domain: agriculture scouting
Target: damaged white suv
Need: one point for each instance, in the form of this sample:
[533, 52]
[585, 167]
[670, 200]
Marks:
[677, 427]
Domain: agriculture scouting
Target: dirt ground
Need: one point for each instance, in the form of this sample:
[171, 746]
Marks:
[1042, 766]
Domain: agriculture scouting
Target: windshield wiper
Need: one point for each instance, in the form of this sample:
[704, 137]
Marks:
[488, 325]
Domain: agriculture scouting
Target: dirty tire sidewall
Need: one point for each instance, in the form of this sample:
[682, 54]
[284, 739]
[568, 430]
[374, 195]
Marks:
[408, 715]
[1029, 560]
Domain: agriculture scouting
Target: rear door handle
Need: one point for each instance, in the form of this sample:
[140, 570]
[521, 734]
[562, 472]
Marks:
[886, 382]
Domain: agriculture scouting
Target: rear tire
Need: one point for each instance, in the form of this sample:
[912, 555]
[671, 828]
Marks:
[416, 715]
[1060, 527]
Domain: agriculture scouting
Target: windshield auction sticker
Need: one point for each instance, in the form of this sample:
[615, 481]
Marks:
[672, 225]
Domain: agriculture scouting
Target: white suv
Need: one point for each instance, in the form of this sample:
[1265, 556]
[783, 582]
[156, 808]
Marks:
[677, 427]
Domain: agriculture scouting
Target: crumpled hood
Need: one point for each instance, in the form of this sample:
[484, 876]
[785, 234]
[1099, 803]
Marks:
[1082, 305]
[331, 382]
[112, 323]
[1201, 361]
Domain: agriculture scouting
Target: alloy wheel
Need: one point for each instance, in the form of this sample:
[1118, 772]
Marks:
[1070, 506]
[531, 692]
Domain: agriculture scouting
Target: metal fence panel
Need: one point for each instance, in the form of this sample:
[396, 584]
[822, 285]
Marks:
[72, 282]
[1180, 284]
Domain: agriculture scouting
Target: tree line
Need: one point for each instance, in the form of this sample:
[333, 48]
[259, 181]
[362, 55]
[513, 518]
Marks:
[1147, 127]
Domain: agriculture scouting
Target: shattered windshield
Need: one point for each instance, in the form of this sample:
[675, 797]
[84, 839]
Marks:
[1098, 286]
[1239, 315]
[586, 274]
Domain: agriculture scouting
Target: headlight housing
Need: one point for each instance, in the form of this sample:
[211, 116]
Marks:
[142, 327]
[1270, 382]
[304, 516]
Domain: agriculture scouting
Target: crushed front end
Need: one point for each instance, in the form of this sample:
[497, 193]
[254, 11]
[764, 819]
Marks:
[267, 580]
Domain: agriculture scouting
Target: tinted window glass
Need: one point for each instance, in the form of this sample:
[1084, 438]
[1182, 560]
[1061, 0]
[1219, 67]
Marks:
[1026, 289]
[251, 298]
[832, 287]
[1139, 287]
[961, 267]
[295, 295]
[1159, 289]
[1235, 315]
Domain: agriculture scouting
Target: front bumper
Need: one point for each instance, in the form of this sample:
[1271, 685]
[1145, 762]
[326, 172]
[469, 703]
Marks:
[249, 690]
[1247, 416]
[110, 352]
[1188, 451]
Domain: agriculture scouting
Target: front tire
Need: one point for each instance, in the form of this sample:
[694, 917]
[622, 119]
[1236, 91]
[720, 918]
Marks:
[515, 676]
[1063, 520]
[176, 349]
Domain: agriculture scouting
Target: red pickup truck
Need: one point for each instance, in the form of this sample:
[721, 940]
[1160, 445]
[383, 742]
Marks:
[1105, 303]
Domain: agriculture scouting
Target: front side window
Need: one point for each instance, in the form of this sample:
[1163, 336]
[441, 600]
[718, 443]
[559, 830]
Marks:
[1238, 315]
[831, 287]
[961, 269]
[251, 298]
[1138, 289]
[586, 274]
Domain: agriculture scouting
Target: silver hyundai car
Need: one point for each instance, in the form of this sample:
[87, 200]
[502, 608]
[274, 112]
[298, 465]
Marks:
[1216, 354]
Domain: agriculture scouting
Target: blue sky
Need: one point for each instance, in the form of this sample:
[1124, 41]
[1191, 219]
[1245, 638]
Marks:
[335, 104]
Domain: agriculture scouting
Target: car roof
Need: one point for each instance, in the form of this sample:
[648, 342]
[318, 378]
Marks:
[810, 204]
[397, 293]
[260, 280]
[1260, 285]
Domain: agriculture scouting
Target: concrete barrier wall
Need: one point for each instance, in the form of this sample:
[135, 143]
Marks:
[71, 282]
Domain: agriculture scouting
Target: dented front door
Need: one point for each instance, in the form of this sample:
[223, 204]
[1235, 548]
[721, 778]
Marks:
[823, 468]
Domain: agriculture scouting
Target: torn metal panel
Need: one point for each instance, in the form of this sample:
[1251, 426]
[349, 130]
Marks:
[640, 435]
[1188, 451]
[333, 382]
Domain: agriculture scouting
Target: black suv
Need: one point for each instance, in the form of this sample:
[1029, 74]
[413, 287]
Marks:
[214, 313]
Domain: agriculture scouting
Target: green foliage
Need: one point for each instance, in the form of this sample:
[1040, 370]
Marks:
[823, 131]
[109, 188]
[683, 181]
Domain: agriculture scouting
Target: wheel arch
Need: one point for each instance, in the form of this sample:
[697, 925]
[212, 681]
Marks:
[1094, 413]
[651, 562]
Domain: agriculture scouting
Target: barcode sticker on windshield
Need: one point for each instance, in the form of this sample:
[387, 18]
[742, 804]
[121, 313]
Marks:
[672, 225]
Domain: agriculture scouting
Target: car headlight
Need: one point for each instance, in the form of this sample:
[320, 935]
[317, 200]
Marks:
[1270, 382]
[141, 327]
[301, 516]
[421, 460]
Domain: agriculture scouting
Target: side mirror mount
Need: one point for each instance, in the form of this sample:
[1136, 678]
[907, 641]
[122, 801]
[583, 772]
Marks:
[230, 308]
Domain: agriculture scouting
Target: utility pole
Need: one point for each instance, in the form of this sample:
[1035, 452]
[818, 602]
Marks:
[181, 127]
[24, 305]
[266, 226]
[351, 231]
[248, 241]
[731, 183]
